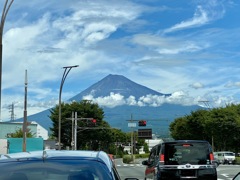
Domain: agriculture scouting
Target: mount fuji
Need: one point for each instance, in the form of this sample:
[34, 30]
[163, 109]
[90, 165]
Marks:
[116, 84]
[123, 100]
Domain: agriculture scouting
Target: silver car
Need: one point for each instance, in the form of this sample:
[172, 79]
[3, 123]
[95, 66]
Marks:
[58, 165]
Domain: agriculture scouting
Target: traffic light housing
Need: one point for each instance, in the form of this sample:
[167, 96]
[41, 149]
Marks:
[93, 122]
[142, 123]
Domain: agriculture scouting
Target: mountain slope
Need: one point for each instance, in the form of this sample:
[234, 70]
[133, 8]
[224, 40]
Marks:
[117, 84]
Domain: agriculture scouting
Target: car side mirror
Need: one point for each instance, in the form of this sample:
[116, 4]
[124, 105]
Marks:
[237, 177]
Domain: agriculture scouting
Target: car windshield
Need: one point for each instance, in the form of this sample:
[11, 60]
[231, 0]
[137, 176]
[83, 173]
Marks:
[53, 169]
[229, 154]
[193, 153]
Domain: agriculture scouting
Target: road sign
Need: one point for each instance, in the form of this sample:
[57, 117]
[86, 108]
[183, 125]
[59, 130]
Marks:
[145, 133]
[131, 125]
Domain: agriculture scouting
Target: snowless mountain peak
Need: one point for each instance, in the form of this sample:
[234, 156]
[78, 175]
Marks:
[116, 84]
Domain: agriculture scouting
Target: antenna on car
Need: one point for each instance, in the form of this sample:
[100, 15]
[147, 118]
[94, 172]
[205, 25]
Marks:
[45, 155]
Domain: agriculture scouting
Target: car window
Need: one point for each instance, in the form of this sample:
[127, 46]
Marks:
[229, 154]
[158, 149]
[194, 153]
[152, 155]
[56, 170]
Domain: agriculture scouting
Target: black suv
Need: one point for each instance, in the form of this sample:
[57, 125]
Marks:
[182, 159]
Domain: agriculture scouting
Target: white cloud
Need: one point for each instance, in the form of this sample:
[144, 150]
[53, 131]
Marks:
[232, 84]
[110, 101]
[200, 17]
[205, 13]
[178, 97]
[114, 100]
[196, 85]
[103, 37]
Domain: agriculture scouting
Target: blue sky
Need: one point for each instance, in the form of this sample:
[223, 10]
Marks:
[189, 48]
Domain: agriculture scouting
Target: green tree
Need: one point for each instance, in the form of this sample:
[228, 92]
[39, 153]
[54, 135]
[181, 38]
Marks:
[101, 136]
[19, 134]
[223, 127]
[146, 148]
[219, 126]
[179, 128]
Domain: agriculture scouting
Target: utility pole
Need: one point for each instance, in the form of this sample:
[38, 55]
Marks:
[132, 124]
[72, 143]
[25, 115]
[75, 129]
[206, 103]
[11, 110]
[75, 132]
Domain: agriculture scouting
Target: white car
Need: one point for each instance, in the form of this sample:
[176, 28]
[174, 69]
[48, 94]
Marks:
[226, 157]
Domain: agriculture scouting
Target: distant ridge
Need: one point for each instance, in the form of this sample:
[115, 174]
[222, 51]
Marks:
[117, 84]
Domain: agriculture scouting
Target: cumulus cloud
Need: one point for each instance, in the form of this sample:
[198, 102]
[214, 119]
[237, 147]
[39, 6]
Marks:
[196, 85]
[232, 84]
[94, 22]
[110, 101]
[178, 98]
[114, 100]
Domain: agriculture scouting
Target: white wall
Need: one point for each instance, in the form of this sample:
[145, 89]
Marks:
[41, 131]
[3, 146]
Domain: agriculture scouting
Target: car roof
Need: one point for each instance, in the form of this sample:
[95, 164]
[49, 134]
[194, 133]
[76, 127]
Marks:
[186, 141]
[48, 154]
[224, 152]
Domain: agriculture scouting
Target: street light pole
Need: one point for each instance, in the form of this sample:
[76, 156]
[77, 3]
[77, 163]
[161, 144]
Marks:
[67, 69]
[4, 15]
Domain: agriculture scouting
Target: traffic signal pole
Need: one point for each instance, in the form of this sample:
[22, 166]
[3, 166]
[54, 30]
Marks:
[75, 128]
[132, 124]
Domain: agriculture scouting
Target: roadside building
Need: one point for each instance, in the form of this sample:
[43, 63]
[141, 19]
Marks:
[37, 130]
[152, 142]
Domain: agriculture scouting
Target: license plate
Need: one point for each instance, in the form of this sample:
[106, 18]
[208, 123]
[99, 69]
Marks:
[188, 173]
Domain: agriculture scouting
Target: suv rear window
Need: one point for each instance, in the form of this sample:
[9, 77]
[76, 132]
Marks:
[229, 154]
[183, 153]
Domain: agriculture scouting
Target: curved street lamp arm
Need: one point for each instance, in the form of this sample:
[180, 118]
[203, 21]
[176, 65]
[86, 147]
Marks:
[66, 71]
[4, 15]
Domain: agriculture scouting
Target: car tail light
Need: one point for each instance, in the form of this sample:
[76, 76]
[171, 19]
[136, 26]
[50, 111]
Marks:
[162, 158]
[211, 157]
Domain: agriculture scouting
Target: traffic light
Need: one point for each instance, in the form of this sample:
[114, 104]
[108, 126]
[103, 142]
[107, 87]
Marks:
[93, 122]
[142, 123]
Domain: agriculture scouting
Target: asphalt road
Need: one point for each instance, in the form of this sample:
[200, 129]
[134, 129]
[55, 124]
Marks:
[225, 172]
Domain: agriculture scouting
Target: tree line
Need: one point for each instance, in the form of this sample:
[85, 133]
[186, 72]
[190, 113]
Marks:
[97, 136]
[219, 126]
